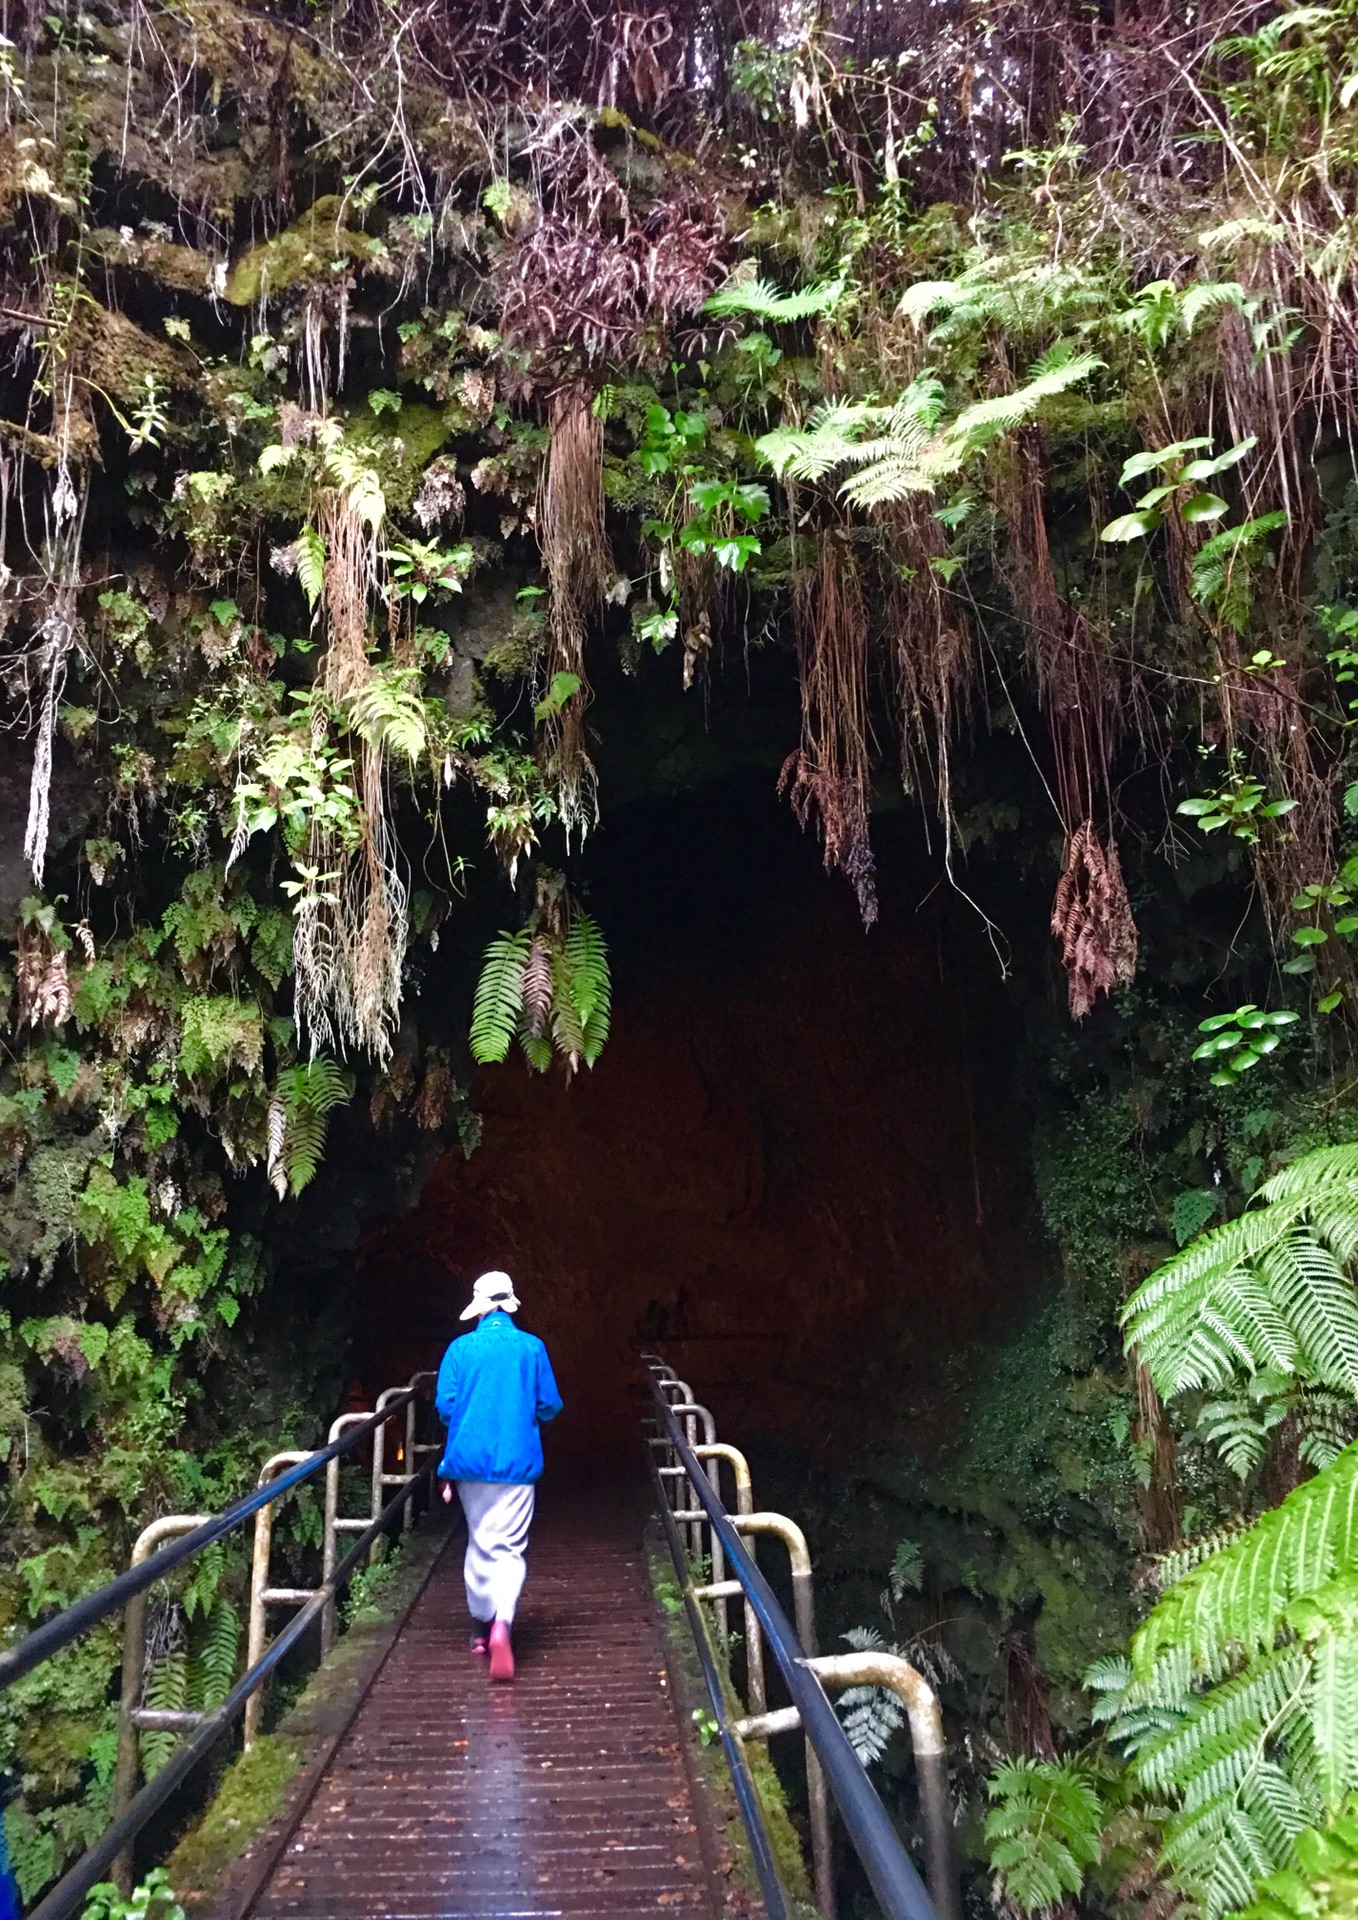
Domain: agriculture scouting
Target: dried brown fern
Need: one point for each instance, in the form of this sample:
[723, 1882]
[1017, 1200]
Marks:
[1092, 919]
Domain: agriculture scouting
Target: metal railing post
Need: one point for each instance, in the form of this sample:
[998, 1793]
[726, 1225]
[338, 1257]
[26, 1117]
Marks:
[888, 1867]
[260, 1556]
[332, 1524]
[128, 1765]
[804, 1614]
[926, 1739]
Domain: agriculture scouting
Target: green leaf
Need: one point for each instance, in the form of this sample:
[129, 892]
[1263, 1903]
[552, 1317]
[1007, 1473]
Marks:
[1203, 506]
[1130, 526]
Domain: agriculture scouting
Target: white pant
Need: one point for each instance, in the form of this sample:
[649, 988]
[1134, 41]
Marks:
[498, 1519]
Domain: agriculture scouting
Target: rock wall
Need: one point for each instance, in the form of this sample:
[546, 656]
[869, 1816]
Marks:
[799, 1167]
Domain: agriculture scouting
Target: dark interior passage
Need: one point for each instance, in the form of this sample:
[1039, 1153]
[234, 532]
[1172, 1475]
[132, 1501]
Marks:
[800, 1163]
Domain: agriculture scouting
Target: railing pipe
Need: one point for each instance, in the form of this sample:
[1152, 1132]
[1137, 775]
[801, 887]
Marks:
[747, 1796]
[892, 1875]
[804, 1613]
[167, 1527]
[259, 1583]
[78, 1618]
[69, 1893]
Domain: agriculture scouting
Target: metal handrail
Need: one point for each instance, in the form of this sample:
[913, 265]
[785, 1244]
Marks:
[898, 1887]
[747, 1794]
[78, 1618]
[69, 1893]
[128, 1591]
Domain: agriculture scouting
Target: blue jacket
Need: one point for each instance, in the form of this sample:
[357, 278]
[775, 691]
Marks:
[495, 1389]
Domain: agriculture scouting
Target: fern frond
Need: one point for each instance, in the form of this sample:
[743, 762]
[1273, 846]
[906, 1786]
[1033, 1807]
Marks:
[216, 1656]
[1215, 1725]
[498, 1001]
[167, 1690]
[306, 1095]
[1237, 1597]
[1043, 1830]
[1267, 1289]
[310, 550]
[388, 711]
[1058, 370]
[763, 300]
[590, 984]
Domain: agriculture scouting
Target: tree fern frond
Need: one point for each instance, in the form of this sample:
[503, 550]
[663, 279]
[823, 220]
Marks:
[1218, 1854]
[1267, 1289]
[1237, 1596]
[498, 1001]
[1215, 1725]
[1172, 1566]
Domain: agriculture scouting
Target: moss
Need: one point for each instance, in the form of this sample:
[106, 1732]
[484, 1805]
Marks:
[116, 357]
[184, 269]
[307, 250]
[250, 1795]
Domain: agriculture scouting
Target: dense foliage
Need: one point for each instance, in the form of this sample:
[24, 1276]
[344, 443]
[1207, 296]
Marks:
[370, 366]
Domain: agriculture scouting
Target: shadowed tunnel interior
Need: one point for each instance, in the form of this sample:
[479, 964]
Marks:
[799, 1164]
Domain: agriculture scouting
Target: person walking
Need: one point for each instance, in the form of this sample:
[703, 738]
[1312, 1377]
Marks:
[495, 1392]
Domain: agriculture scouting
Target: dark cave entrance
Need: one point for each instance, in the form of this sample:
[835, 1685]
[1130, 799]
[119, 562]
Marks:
[801, 1166]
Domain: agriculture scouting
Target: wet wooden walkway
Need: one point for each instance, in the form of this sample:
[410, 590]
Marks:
[564, 1794]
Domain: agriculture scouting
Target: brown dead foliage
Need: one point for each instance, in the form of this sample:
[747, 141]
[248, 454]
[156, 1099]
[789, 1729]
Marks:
[1092, 919]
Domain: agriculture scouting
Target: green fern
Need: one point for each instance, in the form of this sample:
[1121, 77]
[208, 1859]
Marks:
[550, 989]
[310, 551]
[389, 712]
[590, 983]
[1059, 369]
[910, 451]
[214, 1659]
[1322, 1885]
[764, 302]
[1235, 1600]
[167, 1691]
[1044, 1829]
[304, 1098]
[1266, 1291]
[498, 1001]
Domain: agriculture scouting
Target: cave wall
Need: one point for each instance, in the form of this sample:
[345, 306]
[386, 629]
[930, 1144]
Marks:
[800, 1166]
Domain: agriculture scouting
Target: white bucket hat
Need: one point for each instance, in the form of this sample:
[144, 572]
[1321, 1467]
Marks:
[493, 1293]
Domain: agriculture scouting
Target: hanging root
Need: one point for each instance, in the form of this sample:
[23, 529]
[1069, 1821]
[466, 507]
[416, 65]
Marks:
[575, 555]
[350, 575]
[1092, 918]
[828, 775]
[352, 924]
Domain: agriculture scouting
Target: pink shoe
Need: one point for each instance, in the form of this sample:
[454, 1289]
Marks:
[501, 1653]
[480, 1645]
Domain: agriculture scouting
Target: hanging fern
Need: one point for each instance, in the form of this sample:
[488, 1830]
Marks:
[547, 985]
[499, 997]
[303, 1099]
[590, 984]
[1267, 1290]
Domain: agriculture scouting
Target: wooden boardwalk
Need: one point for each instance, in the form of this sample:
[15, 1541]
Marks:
[564, 1794]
